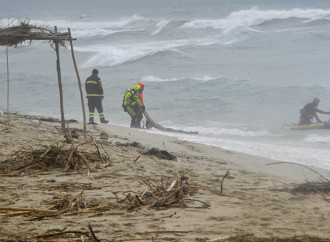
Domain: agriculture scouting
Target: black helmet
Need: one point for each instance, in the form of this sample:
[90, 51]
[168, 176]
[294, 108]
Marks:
[95, 71]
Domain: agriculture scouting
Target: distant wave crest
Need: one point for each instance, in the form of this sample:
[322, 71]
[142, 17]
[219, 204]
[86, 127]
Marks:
[254, 16]
[112, 56]
[87, 28]
[157, 79]
[162, 24]
[120, 54]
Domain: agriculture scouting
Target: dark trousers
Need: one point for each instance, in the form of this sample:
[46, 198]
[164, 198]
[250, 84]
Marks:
[136, 120]
[95, 102]
[136, 115]
[304, 120]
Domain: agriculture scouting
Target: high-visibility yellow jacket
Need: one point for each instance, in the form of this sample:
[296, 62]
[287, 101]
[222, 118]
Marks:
[131, 98]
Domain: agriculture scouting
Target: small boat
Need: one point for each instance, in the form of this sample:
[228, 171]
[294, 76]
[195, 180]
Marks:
[324, 125]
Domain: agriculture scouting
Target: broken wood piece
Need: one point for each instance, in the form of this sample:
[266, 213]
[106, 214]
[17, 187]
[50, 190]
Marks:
[152, 123]
[221, 183]
[27, 209]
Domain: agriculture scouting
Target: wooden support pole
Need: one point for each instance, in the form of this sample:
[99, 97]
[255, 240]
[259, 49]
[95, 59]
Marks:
[8, 115]
[79, 84]
[59, 83]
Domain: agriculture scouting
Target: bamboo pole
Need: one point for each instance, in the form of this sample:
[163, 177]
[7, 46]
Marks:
[59, 83]
[8, 115]
[79, 84]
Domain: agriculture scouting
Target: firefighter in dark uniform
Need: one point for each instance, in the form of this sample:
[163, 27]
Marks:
[95, 96]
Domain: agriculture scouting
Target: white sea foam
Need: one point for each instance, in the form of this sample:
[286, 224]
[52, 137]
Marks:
[160, 26]
[111, 56]
[237, 25]
[116, 55]
[207, 78]
[87, 29]
[107, 55]
[157, 79]
[254, 16]
[302, 155]
[233, 132]
[317, 139]
[152, 78]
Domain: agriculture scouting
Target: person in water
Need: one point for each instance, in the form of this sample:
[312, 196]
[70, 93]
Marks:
[309, 111]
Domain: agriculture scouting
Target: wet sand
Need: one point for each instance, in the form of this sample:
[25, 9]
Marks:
[256, 197]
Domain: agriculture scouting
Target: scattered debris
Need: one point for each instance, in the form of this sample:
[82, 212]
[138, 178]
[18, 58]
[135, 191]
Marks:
[52, 156]
[134, 144]
[251, 238]
[70, 186]
[160, 195]
[162, 154]
[312, 187]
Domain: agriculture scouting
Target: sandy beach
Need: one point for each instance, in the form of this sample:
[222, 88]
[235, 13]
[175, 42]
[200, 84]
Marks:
[257, 198]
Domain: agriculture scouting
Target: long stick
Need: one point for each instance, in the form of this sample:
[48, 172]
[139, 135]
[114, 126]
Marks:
[59, 83]
[162, 128]
[286, 162]
[8, 115]
[79, 84]
[27, 209]
[221, 183]
[97, 148]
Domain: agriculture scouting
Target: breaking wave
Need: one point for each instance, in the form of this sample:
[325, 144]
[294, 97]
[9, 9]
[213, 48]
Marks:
[157, 79]
[254, 16]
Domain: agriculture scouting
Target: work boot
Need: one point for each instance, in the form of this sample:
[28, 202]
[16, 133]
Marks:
[103, 121]
[91, 121]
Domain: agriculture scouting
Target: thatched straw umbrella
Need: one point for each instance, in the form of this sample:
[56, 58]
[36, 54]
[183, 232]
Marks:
[22, 31]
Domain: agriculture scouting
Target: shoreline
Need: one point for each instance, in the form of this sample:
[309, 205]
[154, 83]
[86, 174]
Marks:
[257, 199]
[252, 163]
[294, 171]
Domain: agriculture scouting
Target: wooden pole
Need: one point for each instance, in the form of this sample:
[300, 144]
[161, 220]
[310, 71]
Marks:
[79, 84]
[59, 83]
[8, 115]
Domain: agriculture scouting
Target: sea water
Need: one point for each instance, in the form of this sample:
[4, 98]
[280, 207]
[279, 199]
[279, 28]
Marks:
[235, 71]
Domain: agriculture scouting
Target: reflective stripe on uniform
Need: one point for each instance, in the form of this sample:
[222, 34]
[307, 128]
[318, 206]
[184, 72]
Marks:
[101, 115]
[91, 115]
[91, 82]
[95, 95]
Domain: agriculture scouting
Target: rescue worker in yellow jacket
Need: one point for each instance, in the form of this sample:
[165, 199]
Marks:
[94, 90]
[133, 106]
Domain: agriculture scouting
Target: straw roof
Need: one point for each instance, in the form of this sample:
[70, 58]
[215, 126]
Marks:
[22, 31]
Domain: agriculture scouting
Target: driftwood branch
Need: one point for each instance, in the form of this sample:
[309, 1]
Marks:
[232, 238]
[152, 123]
[92, 233]
[4, 129]
[56, 235]
[27, 210]
[293, 163]
[325, 198]
[223, 178]
[97, 148]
